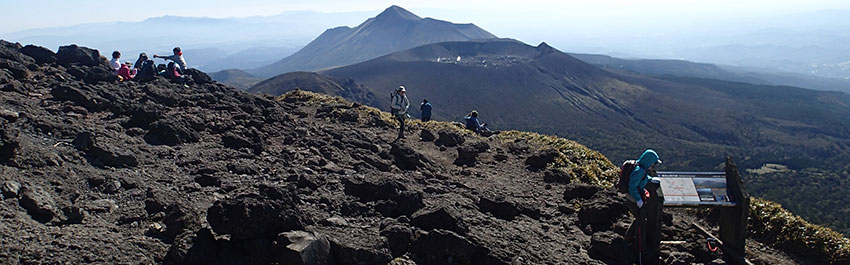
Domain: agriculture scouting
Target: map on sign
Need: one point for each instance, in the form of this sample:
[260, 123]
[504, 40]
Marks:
[694, 188]
[679, 190]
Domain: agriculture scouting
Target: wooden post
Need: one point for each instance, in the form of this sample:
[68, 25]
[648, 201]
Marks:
[733, 220]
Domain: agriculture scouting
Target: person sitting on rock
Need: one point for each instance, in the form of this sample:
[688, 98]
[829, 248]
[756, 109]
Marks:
[142, 58]
[124, 73]
[115, 63]
[473, 124]
[177, 58]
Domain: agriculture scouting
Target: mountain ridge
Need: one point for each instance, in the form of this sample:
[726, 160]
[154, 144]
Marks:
[393, 29]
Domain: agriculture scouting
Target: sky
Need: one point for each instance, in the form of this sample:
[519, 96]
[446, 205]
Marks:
[21, 15]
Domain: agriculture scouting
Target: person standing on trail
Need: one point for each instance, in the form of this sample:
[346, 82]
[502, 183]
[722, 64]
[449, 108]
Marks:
[641, 175]
[400, 103]
[426, 110]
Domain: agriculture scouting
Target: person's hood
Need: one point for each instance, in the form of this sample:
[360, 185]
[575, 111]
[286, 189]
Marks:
[648, 158]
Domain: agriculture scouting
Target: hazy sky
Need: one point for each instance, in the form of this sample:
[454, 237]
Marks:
[20, 15]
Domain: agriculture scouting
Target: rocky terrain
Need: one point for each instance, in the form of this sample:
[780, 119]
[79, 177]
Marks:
[99, 171]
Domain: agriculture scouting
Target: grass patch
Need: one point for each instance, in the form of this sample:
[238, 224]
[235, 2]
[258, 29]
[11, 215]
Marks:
[579, 162]
[771, 223]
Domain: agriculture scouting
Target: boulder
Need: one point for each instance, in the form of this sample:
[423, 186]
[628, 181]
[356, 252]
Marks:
[10, 189]
[444, 217]
[449, 139]
[40, 54]
[303, 248]
[261, 215]
[580, 190]
[79, 96]
[171, 131]
[11, 51]
[398, 237]
[347, 253]
[446, 247]
[498, 207]
[611, 248]
[556, 176]
[198, 76]
[467, 153]
[18, 70]
[8, 143]
[39, 204]
[406, 158]
[603, 208]
[426, 135]
[541, 158]
[73, 54]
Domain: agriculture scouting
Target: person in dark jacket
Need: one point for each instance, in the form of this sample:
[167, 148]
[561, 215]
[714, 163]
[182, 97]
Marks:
[472, 122]
[142, 58]
[426, 110]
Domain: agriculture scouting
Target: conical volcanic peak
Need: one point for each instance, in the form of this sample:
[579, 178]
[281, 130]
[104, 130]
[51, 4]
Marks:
[397, 13]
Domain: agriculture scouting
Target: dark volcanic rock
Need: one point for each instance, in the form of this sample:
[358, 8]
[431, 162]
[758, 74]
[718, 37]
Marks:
[610, 248]
[446, 247]
[556, 176]
[19, 70]
[580, 190]
[443, 217]
[604, 207]
[257, 215]
[499, 207]
[39, 204]
[79, 96]
[406, 158]
[73, 54]
[541, 158]
[344, 253]
[40, 54]
[198, 77]
[171, 131]
[10, 189]
[449, 139]
[398, 237]
[303, 248]
[426, 135]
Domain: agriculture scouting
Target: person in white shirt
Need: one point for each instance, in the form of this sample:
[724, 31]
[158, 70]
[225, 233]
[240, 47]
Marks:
[399, 108]
[177, 58]
[115, 63]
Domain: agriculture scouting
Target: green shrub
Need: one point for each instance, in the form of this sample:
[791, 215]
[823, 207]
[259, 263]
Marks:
[772, 224]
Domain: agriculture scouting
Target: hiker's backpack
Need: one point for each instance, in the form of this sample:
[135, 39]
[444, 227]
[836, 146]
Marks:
[625, 172]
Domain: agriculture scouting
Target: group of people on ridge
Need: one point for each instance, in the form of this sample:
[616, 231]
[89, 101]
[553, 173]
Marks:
[144, 68]
[400, 104]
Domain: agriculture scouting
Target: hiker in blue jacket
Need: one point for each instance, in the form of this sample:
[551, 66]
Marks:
[472, 122]
[639, 177]
[426, 110]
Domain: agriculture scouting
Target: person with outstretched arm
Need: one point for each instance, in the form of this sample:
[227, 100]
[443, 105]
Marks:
[177, 58]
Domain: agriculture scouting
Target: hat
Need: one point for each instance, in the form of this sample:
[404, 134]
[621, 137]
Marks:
[401, 89]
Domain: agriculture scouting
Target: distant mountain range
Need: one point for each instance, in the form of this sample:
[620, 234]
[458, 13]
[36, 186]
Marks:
[680, 68]
[392, 30]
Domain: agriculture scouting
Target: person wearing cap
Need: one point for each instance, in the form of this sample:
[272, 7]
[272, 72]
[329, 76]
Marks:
[641, 175]
[399, 108]
[177, 58]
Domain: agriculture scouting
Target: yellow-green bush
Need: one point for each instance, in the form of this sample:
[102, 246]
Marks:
[769, 221]
[579, 162]
[365, 114]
